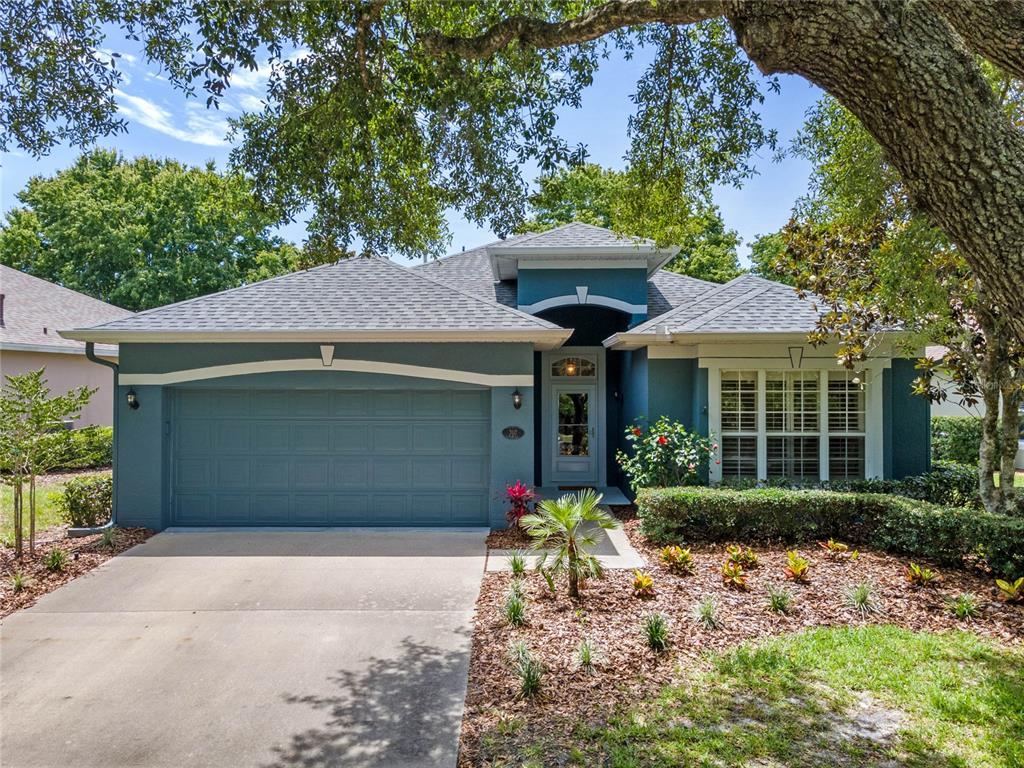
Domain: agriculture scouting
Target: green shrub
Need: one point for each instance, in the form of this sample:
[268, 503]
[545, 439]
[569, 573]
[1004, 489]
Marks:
[956, 438]
[893, 523]
[656, 631]
[87, 448]
[665, 453]
[56, 560]
[948, 482]
[87, 501]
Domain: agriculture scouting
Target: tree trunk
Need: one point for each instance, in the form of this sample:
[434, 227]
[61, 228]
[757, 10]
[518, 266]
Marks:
[574, 571]
[1010, 499]
[32, 515]
[907, 75]
[988, 460]
[18, 545]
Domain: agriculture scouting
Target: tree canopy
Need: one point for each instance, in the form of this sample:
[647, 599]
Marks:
[144, 232]
[381, 115]
[608, 198]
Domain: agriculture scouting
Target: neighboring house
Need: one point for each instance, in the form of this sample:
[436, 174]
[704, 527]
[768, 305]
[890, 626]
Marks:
[952, 406]
[31, 312]
[366, 393]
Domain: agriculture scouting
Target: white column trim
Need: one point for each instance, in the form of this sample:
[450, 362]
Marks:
[823, 426]
[762, 425]
[316, 364]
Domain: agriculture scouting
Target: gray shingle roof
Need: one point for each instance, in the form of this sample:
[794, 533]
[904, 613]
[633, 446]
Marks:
[748, 304]
[355, 294]
[35, 309]
[574, 235]
[470, 271]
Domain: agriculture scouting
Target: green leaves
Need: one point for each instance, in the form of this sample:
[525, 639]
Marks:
[665, 454]
[144, 232]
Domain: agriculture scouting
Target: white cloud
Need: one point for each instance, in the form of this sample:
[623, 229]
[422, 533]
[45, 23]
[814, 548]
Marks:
[201, 126]
[251, 103]
[250, 80]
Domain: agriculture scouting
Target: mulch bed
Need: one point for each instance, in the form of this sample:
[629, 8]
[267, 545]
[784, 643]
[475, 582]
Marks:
[628, 671]
[84, 553]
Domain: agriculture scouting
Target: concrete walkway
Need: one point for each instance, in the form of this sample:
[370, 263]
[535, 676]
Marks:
[327, 648]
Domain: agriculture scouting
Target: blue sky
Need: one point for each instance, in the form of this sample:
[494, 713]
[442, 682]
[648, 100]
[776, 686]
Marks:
[163, 122]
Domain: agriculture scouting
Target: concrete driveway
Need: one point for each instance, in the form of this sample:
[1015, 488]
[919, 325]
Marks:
[248, 648]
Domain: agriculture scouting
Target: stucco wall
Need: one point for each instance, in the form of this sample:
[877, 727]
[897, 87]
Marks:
[143, 444]
[65, 372]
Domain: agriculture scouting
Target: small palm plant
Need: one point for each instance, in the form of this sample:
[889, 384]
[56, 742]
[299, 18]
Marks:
[557, 530]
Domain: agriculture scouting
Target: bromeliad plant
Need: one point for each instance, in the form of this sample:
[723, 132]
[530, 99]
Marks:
[519, 497]
[557, 528]
[665, 454]
[797, 567]
[677, 560]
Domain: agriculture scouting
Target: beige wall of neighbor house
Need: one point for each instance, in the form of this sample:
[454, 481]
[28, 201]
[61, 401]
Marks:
[65, 372]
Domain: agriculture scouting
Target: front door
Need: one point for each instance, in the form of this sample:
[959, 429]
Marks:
[574, 439]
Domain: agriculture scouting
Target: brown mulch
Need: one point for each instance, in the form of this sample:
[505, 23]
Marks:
[85, 553]
[628, 671]
[508, 538]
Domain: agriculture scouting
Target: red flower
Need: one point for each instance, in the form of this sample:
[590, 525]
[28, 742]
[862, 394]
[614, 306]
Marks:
[662, 440]
[718, 461]
[637, 431]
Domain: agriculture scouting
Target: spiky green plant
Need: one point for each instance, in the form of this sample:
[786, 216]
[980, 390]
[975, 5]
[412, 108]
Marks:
[861, 597]
[706, 613]
[965, 606]
[526, 667]
[108, 538]
[779, 599]
[586, 656]
[515, 609]
[557, 530]
[56, 560]
[549, 579]
[20, 581]
[656, 631]
[517, 563]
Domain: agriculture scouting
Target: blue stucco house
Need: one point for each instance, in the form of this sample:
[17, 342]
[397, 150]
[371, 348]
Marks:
[367, 393]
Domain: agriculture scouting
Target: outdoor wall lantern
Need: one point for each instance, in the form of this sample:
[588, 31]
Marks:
[133, 400]
[517, 399]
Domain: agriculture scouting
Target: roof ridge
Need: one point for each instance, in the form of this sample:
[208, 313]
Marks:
[183, 302]
[480, 299]
[721, 309]
[654, 322]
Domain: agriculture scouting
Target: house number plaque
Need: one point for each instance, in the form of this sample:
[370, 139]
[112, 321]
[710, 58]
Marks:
[512, 433]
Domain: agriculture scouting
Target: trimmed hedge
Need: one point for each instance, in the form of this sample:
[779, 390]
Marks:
[956, 438]
[894, 523]
[948, 482]
[88, 448]
[87, 501]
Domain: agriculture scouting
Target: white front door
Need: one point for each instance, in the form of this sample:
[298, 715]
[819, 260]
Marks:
[573, 417]
[575, 432]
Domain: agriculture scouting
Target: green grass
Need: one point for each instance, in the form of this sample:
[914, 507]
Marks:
[47, 515]
[1018, 479]
[952, 699]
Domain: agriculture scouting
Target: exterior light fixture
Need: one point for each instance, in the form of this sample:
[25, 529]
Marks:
[570, 368]
[133, 400]
[517, 399]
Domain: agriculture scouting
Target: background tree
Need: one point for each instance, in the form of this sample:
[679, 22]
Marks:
[397, 110]
[144, 232]
[618, 200]
[36, 439]
[857, 243]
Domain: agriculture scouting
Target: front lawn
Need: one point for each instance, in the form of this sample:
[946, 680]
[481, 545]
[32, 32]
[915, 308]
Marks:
[48, 491]
[839, 696]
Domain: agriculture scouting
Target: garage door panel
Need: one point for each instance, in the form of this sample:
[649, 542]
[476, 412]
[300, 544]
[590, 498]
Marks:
[387, 473]
[232, 437]
[469, 472]
[430, 473]
[391, 438]
[270, 473]
[340, 457]
[233, 472]
[231, 509]
[430, 509]
[311, 438]
[311, 473]
[350, 438]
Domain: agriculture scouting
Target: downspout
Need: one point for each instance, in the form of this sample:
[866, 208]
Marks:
[90, 353]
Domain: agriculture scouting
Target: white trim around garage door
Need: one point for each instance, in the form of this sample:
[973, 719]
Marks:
[316, 364]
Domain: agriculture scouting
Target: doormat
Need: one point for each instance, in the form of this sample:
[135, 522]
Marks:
[576, 488]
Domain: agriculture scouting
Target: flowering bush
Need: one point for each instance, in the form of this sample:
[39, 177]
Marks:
[665, 454]
[519, 498]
